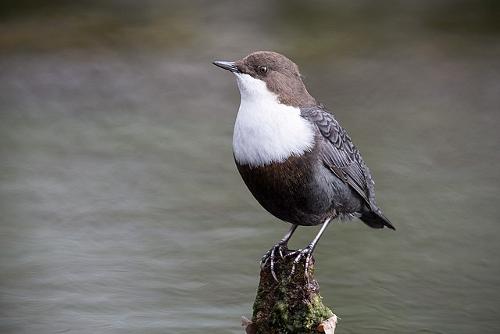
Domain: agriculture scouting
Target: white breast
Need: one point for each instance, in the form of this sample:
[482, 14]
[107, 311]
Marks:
[267, 131]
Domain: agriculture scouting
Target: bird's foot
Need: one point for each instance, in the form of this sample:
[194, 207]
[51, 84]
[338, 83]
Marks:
[279, 249]
[299, 254]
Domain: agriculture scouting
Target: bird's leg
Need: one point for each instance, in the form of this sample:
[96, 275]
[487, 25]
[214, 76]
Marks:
[279, 245]
[308, 251]
[271, 254]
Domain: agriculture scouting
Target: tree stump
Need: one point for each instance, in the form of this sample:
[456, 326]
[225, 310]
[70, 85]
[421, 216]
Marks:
[292, 303]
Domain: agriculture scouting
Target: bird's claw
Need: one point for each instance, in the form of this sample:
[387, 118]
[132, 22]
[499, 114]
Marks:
[299, 254]
[270, 257]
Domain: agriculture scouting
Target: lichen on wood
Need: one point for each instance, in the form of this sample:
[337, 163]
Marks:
[292, 303]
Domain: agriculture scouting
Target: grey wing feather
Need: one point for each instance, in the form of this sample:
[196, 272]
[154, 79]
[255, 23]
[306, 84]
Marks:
[340, 155]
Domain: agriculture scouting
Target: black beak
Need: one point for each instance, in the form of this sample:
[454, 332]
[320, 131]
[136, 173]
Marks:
[227, 65]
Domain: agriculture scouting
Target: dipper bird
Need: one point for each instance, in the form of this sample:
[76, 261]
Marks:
[293, 155]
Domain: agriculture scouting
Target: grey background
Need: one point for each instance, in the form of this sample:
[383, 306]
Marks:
[121, 208]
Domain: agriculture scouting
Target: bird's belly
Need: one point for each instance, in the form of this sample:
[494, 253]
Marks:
[291, 190]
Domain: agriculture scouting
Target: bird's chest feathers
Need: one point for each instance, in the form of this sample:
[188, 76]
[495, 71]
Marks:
[267, 131]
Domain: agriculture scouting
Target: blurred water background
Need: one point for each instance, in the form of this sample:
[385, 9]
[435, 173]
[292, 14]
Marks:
[121, 208]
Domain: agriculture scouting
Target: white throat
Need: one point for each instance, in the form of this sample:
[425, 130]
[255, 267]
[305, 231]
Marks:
[267, 131]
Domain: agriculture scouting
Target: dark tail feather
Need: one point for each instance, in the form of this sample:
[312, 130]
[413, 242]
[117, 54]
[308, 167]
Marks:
[376, 220]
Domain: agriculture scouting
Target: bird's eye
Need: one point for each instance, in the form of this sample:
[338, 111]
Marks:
[262, 69]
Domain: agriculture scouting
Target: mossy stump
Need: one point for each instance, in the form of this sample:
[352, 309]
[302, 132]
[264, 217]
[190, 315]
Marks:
[290, 305]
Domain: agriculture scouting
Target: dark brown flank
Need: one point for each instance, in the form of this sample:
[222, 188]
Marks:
[287, 189]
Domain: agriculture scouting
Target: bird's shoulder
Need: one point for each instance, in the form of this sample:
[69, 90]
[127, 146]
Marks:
[333, 132]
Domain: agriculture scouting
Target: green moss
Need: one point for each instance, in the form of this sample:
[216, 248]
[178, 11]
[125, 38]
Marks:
[291, 305]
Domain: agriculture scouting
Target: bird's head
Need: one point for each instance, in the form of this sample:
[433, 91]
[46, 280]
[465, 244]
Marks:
[262, 72]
